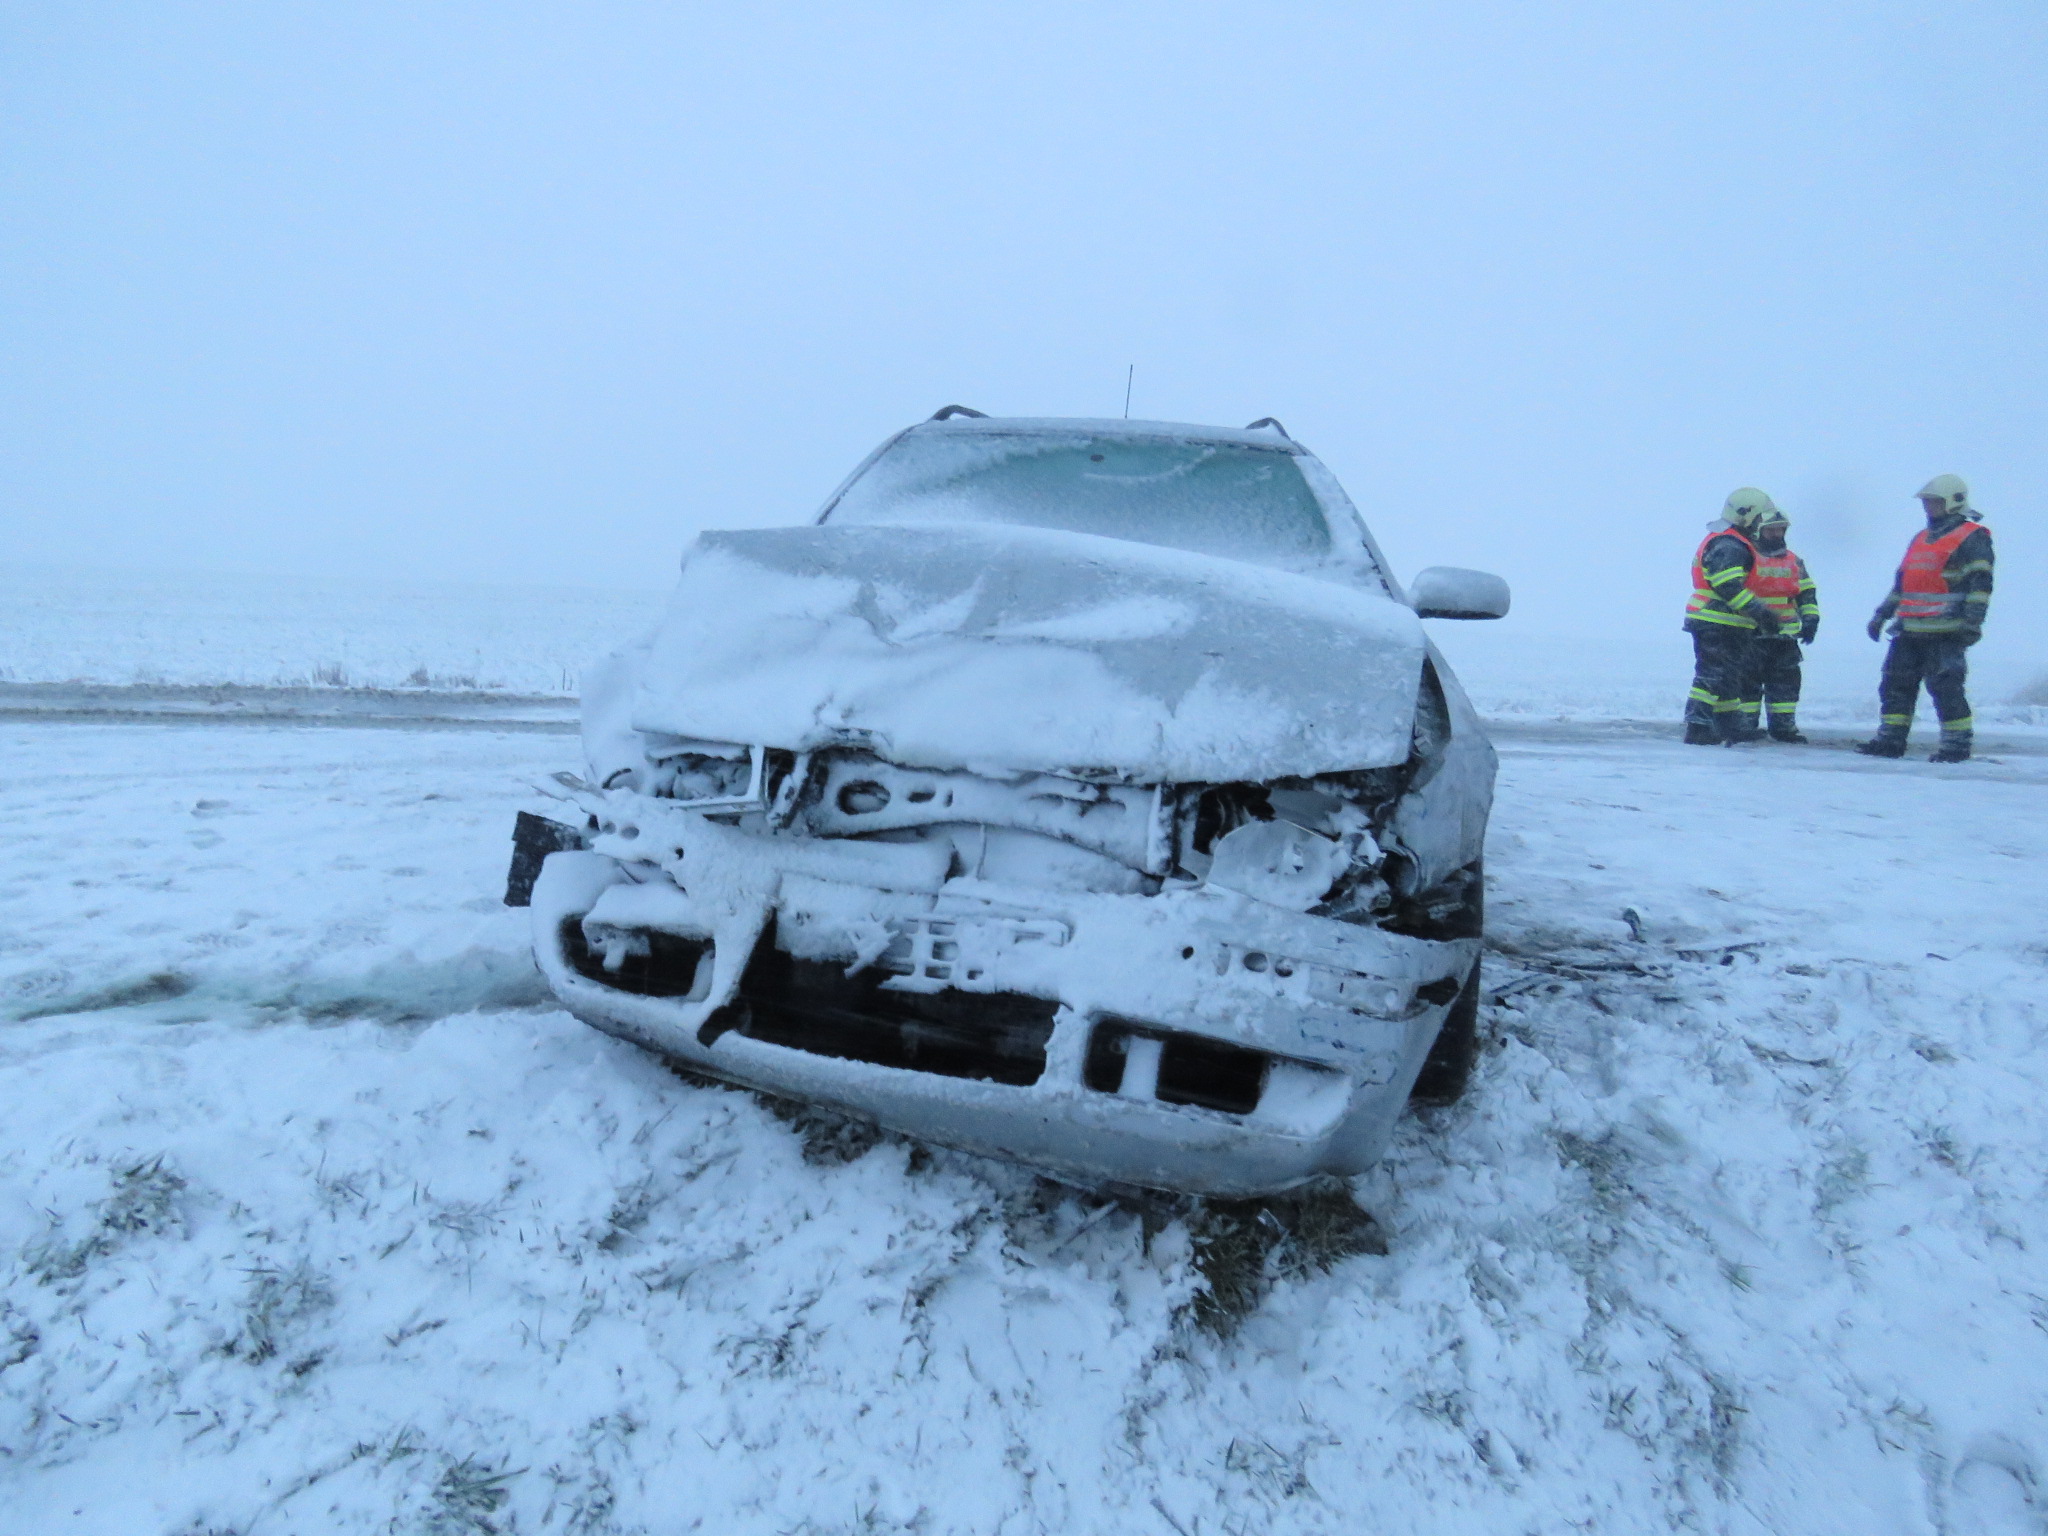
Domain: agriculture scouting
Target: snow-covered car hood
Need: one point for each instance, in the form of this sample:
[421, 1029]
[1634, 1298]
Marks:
[1007, 650]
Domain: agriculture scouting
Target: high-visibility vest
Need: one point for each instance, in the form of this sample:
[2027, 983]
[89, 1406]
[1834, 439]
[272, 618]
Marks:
[1705, 604]
[1925, 602]
[1775, 581]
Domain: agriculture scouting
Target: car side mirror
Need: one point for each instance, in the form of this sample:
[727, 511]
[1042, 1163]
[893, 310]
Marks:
[1447, 592]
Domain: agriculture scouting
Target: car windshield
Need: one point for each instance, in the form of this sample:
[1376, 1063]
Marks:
[1218, 498]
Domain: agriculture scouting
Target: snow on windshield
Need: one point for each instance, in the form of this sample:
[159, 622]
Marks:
[1214, 498]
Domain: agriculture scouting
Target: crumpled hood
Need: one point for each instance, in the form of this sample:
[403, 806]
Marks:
[1005, 650]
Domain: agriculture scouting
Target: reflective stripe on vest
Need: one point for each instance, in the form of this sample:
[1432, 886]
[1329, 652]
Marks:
[1705, 601]
[1776, 582]
[1924, 596]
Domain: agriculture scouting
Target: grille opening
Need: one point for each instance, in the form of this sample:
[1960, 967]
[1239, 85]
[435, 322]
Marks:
[1437, 993]
[863, 798]
[668, 968]
[813, 1005]
[1103, 1067]
[1193, 1069]
[1211, 1074]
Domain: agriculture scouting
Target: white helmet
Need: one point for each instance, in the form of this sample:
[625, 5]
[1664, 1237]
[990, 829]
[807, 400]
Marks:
[1949, 490]
[1746, 507]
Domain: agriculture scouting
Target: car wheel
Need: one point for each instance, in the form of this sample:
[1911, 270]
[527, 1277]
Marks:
[1449, 1064]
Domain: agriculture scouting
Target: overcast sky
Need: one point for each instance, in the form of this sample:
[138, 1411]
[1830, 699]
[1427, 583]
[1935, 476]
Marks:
[530, 293]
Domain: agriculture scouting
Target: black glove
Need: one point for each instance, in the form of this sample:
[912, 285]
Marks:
[1808, 630]
[1875, 627]
[1969, 637]
[1766, 621]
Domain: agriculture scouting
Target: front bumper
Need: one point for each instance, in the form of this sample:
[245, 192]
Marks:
[1193, 1040]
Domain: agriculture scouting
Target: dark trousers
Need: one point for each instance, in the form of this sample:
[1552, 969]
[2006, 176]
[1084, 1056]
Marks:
[1773, 681]
[1720, 663]
[1937, 661]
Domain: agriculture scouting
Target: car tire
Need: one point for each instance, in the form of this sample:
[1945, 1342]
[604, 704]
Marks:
[1448, 1066]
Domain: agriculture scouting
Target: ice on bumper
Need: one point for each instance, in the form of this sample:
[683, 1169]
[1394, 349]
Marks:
[1196, 1037]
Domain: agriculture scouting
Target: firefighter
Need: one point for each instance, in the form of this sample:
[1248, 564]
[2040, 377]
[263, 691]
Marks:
[1780, 579]
[1724, 617]
[1936, 611]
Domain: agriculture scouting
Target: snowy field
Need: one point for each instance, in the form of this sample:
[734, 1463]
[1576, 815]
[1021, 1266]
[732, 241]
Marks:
[59, 625]
[316, 1217]
[210, 630]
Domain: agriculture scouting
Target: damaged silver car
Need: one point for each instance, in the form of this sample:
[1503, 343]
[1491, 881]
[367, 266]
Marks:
[1079, 792]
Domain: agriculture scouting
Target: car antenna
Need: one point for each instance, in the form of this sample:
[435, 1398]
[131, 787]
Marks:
[1129, 375]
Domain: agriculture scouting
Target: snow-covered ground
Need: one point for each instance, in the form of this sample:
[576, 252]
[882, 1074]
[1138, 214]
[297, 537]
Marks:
[315, 1216]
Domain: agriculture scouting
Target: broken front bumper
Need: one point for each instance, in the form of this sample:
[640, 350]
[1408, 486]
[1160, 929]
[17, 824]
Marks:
[1194, 1040]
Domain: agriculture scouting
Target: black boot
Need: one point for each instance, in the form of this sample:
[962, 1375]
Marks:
[1954, 748]
[1701, 735]
[1883, 744]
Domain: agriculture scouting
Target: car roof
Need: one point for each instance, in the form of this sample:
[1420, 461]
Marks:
[1106, 426]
